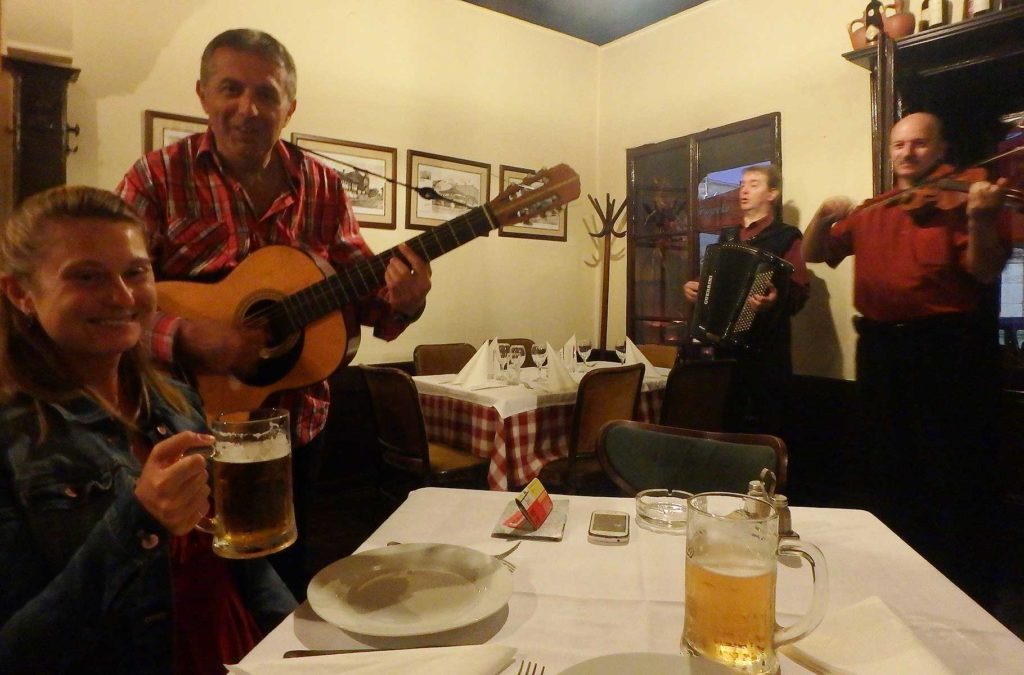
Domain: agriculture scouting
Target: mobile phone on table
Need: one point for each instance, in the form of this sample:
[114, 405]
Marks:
[608, 527]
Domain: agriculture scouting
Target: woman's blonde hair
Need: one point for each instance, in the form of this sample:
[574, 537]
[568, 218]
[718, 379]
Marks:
[30, 364]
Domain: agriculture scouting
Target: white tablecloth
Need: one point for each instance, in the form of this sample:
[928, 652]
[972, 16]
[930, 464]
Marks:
[514, 399]
[574, 600]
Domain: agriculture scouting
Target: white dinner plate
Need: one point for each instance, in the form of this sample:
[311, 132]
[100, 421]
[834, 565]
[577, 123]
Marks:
[648, 663]
[410, 589]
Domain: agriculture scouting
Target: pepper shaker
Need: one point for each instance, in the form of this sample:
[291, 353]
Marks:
[781, 504]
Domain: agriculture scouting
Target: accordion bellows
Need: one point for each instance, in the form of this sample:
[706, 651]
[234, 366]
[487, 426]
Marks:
[730, 273]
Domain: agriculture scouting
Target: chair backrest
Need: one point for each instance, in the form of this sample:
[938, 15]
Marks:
[639, 456]
[662, 356]
[697, 395]
[400, 428]
[605, 394]
[441, 359]
[527, 344]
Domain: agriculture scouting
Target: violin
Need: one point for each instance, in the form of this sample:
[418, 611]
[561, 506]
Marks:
[946, 189]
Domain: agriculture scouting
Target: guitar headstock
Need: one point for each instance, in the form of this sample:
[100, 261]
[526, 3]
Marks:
[538, 194]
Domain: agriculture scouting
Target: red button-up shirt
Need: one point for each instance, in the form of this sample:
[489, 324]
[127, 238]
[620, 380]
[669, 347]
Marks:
[202, 226]
[905, 270]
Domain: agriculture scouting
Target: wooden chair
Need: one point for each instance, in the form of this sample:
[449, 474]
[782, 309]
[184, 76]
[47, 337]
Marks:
[441, 359]
[527, 344]
[697, 395]
[661, 356]
[402, 436]
[605, 394]
[638, 456]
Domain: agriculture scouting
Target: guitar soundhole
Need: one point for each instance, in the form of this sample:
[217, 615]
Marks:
[283, 348]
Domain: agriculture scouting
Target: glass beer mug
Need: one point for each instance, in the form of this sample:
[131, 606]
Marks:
[732, 545]
[251, 468]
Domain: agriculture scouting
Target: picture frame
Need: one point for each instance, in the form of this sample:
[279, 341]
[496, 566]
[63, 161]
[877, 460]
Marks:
[467, 181]
[550, 228]
[373, 197]
[163, 129]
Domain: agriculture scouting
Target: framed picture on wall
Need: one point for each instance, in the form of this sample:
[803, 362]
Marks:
[551, 227]
[163, 129]
[367, 172]
[462, 184]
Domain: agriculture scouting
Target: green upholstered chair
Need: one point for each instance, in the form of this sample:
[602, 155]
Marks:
[638, 456]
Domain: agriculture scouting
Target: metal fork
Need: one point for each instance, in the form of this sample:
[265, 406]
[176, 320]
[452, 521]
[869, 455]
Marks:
[530, 668]
[501, 557]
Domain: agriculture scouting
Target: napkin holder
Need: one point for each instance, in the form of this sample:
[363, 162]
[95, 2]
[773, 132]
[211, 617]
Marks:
[533, 514]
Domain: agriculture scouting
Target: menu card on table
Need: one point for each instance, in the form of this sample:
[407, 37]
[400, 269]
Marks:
[533, 515]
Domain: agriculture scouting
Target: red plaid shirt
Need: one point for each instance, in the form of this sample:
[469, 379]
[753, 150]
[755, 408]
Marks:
[201, 227]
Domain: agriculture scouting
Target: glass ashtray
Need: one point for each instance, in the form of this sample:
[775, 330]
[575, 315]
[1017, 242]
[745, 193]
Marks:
[662, 510]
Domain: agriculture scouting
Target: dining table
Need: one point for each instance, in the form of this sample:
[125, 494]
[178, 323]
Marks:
[573, 600]
[517, 427]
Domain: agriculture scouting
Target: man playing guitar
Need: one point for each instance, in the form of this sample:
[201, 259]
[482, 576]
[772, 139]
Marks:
[214, 198]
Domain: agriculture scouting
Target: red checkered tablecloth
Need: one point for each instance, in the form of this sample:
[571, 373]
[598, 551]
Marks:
[518, 445]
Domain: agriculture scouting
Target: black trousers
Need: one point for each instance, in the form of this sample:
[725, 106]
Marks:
[759, 399]
[929, 392]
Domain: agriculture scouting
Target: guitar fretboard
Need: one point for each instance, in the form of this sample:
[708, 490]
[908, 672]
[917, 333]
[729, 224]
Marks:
[367, 276]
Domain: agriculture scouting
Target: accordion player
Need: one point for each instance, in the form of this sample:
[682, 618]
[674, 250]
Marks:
[730, 274]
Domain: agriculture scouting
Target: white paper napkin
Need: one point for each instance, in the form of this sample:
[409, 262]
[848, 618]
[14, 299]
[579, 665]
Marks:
[476, 373]
[569, 351]
[559, 379]
[634, 355]
[867, 639]
[468, 660]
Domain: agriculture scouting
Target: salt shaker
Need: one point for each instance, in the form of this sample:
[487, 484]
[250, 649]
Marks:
[755, 507]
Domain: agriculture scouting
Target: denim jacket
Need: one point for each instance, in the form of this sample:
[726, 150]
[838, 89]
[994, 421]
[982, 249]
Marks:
[85, 574]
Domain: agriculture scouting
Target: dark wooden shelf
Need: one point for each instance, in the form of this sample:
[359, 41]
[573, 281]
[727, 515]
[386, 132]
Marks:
[993, 36]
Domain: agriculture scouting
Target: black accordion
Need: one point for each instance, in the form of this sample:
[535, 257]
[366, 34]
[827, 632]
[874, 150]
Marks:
[729, 274]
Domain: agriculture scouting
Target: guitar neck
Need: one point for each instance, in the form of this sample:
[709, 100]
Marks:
[367, 276]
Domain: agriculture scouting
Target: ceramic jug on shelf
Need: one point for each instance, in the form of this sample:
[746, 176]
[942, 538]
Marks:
[857, 38]
[901, 22]
[872, 23]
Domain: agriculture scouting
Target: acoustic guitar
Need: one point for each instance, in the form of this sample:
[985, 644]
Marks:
[305, 307]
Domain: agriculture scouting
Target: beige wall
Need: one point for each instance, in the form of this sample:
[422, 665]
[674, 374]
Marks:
[447, 77]
[35, 27]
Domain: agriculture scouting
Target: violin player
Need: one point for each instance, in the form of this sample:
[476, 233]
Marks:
[927, 351]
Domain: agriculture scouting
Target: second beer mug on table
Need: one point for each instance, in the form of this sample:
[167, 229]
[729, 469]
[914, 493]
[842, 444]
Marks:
[251, 470]
[732, 546]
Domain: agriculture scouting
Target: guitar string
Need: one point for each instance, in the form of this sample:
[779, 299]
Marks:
[427, 192]
[372, 267]
[262, 317]
[333, 288]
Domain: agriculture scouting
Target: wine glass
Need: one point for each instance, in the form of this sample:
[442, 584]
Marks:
[504, 353]
[517, 356]
[620, 350]
[539, 352]
[584, 347]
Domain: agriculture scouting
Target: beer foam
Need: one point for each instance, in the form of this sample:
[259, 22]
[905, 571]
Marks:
[266, 449]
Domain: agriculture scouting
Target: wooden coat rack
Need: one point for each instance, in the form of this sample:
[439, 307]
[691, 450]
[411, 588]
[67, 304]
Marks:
[606, 232]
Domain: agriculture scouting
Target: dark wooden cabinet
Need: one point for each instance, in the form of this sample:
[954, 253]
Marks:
[970, 73]
[40, 125]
